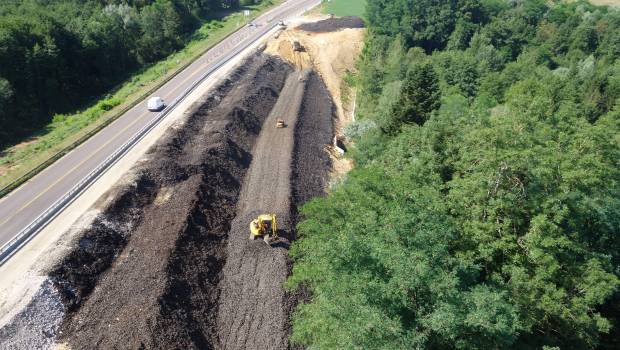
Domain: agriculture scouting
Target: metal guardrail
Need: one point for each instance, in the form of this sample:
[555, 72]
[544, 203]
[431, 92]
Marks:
[9, 248]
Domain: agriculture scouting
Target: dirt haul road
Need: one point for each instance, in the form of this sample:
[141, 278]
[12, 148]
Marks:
[250, 313]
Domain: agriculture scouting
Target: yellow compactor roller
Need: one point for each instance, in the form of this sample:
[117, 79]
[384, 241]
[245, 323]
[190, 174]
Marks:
[264, 226]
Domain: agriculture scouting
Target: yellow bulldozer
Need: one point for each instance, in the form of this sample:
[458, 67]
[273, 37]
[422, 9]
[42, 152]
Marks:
[265, 226]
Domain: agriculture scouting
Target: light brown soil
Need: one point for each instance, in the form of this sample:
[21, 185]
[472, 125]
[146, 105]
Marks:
[332, 55]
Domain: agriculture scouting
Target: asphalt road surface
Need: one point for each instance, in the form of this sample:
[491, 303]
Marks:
[29, 201]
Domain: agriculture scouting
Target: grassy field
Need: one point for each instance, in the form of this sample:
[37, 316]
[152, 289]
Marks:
[615, 3]
[345, 7]
[65, 130]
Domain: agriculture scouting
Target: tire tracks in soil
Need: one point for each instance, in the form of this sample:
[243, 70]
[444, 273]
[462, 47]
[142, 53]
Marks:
[250, 312]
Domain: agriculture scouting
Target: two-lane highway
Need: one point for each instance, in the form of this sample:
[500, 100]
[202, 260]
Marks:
[28, 202]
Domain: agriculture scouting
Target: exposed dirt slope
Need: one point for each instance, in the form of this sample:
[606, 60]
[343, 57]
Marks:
[313, 135]
[332, 53]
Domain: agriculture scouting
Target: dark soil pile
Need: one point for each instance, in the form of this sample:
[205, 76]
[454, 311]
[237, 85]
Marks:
[97, 248]
[145, 274]
[313, 134]
[252, 313]
[332, 24]
[168, 265]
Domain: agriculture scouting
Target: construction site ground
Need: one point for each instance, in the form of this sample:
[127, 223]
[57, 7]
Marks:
[168, 263]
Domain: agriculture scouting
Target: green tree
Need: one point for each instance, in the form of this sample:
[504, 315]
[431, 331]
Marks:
[419, 96]
[57, 55]
[5, 93]
[424, 23]
[458, 69]
[484, 213]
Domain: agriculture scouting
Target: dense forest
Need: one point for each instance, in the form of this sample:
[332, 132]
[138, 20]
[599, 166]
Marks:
[55, 55]
[484, 209]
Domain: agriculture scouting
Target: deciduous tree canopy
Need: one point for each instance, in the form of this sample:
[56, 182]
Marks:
[484, 209]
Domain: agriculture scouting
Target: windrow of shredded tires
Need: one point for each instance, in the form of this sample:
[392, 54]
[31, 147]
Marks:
[168, 263]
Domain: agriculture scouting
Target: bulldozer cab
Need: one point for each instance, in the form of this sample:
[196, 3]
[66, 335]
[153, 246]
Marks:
[297, 46]
[264, 226]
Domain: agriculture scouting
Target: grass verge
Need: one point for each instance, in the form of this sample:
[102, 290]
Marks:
[21, 162]
[345, 7]
[612, 3]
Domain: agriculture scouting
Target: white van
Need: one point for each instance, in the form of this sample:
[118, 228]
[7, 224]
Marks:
[155, 104]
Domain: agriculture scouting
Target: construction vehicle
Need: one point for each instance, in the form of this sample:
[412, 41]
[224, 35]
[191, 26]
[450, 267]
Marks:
[280, 123]
[297, 46]
[264, 226]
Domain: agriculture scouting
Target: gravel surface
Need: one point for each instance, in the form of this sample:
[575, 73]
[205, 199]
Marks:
[332, 24]
[35, 327]
[293, 166]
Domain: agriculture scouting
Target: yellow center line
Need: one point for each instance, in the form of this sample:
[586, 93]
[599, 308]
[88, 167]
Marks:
[71, 170]
[199, 70]
[108, 142]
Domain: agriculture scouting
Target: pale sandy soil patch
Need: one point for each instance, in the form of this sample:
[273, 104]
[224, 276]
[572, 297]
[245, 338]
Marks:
[163, 195]
[332, 55]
